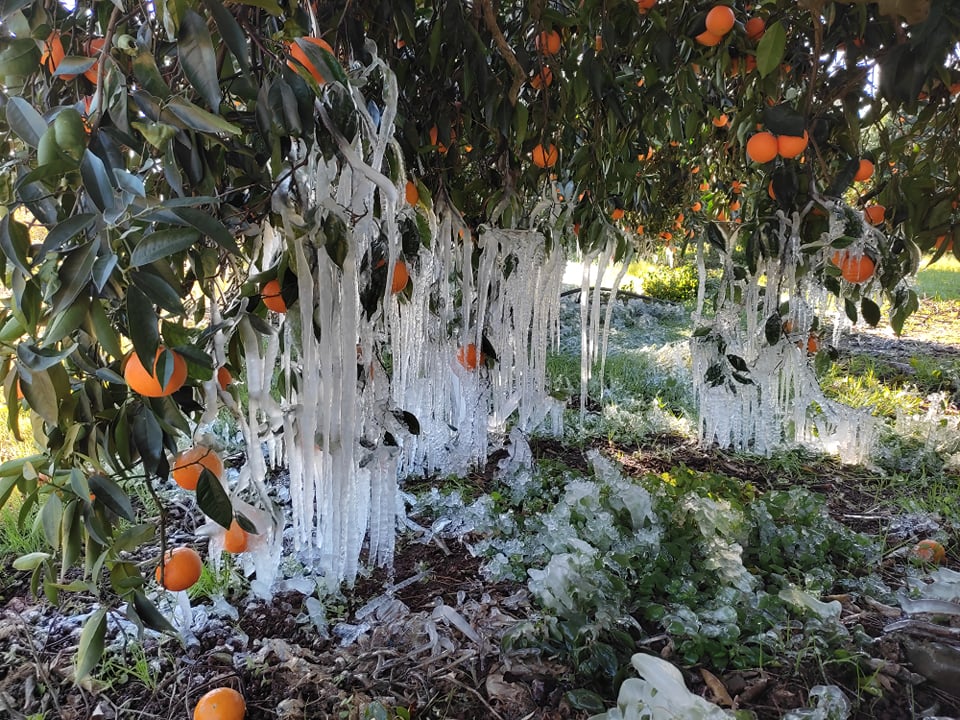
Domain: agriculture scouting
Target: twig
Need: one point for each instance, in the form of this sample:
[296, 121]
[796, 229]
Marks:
[101, 69]
[519, 76]
[472, 690]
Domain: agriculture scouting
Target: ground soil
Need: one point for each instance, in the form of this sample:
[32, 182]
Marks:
[431, 643]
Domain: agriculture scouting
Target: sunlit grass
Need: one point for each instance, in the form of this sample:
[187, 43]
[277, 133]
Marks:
[941, 280]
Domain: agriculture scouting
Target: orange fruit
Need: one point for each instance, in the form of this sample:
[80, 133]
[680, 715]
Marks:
[708, 38]
[220, 704]
[721, 120]
[543, 78]
[639, 229]
[272, 297]
[734, 206]
[297, 53]
[737, 187]
[762, 147]
[645, 6]
[855, 269]
[704, 186]
[617, 214]
[770, 192]
[235, 539]
[790, 146]
[180, 569]
[548, 42]
[224, 378]
[697, 206]
[401, 276]
[411, 193]
[469, 357]
[813, 344]
[720, 20]
[755, 28]
[939, 244]
[93, 48]
[930, 551]
[865, 171]
[188, 465]
[875, 214]
[545, 157]
[53, 54]
[434, 137]
[147, 383]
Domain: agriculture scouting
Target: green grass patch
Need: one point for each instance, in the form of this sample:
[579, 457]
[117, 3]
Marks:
[864, 382]
[940, 280]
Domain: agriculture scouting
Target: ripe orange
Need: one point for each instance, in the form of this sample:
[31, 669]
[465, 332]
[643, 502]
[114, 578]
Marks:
[181, 568]
[755, 28]
[235, 539]
[875, 214]
[401, 276]
[734, 206]
[704, 186]
[297, 53]
[272, 297]
[865, 171]
[666, 235]
[762, 147]
[790, 146]
[93, 48]
[813, 344]
[411, 192]
[930, 551]
[737, 187]
[548, 42]
[855, 269]
[617, 214]
[697, 206]
[224, 378]
[469, 357]
[720, 20]
[708, 38]
[543, 78]
[221, 704]
[147, 383]
[645, 6]
[545, 157]
[721, 120]
[188, 465]
[53, 54]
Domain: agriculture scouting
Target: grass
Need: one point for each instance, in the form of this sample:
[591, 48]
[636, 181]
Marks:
[941, 280]
[17, 539]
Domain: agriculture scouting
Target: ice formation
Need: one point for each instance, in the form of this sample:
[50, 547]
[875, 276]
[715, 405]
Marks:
[755, 395]
[349, 394]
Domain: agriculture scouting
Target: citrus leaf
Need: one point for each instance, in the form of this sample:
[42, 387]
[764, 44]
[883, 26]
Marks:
[148, 75]
[41, 395]
[161, 244]
[91, 644]
[150, 615]
[106, 491]
[870, 311]
[199, 119]
[74, 65]
[209, 226]
[770, 49]
[231, 32]
[95, 181]
[14, 242]
[30, 561]
[213, 499]
[50, 516]
[25, 121]
[142, 324]
[18, 57]
[65, 231]
[103, 329]
[197, 57]
[158, 289]
[148, 439]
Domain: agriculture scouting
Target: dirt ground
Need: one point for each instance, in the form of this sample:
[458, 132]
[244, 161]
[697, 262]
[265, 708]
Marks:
[429, 630]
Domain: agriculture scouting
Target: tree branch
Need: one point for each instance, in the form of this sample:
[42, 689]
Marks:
[101, 70]
[519, 76]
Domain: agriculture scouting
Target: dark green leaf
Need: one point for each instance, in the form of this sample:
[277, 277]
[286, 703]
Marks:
[770, 48]
[158, 289]
[41, 395]
[738, 363]
[784, 120]
[231, 32]
[91, 644]
[50, 516]
[213, 499]
[150, 615]
[18, 57]
[25, 121]
[103, 329]
[586, 700]
[408, 419]
[96, 182]
[198, 58]
[30, 561]
[850, 308]
[870, 311]
[161, 244]
[74, 274]
[209, 226]
[148, 76]
[112, 495]
[74, 65]
[142, 324]
[148, 439]
[199, 119]
[15, 242]
[65, 231]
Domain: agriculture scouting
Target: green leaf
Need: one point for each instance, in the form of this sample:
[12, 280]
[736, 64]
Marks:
[103, 329]
[870, 311]
[41, 394]
[112, 496]
[157, 134]
[231, 32]
[90, 649]
[148, 439]
[213, 499]
[586, 700]
[25, 121]
[74, 275]
[148, 75]
[209, 226]
[31, 561]
[198, 58]
[50, 516]
[18, 57]
[199, 119]
[134, 536]
[770, 49]
[270, 6]
[14, 242]
[95, 181]
[74, 65]
[161, 244]
[150, 615]
[142, 324]
[320, 58]
[158, 289]
[65, 231]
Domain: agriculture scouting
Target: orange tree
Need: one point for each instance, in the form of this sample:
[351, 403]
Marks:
[147, 145]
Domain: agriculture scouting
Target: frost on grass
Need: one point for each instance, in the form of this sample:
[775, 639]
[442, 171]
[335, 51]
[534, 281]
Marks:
[755, 385]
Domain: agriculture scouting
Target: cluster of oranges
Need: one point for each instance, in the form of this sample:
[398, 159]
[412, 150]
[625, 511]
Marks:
[764, 146]
[53, 54]
[719, 21]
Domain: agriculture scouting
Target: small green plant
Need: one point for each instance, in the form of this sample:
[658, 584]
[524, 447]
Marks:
[129, 664]
[678, 284]
[217, 584]
[18, 535]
